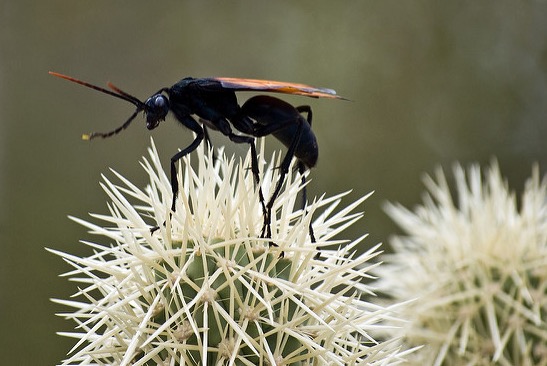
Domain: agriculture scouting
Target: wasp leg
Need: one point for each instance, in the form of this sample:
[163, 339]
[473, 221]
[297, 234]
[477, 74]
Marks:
[284, 167]
[194, 126]
[224, 127]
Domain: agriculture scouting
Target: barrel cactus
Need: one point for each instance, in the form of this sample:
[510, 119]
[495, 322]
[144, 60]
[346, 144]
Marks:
[471, 270]
[206, 289]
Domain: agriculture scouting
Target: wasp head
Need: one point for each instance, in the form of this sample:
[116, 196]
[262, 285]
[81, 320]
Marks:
[156, 108]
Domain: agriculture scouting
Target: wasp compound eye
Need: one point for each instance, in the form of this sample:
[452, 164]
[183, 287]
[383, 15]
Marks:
[157, 107]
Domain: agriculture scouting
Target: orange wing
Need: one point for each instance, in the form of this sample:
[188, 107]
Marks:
[277, 87]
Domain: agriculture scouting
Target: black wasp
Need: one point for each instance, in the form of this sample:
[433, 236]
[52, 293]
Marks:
[214, 101]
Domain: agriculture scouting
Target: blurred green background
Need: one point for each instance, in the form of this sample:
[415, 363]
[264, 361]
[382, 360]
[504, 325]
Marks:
[431, 83]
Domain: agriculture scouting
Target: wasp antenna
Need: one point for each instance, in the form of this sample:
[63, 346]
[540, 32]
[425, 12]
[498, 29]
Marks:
[91, 136]
[116, 93]
[129, 97]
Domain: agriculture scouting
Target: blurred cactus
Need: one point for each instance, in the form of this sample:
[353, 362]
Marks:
[475, 272]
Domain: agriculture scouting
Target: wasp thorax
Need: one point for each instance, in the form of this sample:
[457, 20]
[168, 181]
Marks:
[157, 107]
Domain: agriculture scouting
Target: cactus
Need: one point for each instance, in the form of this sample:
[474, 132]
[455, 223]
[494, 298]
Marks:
[205, 289]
